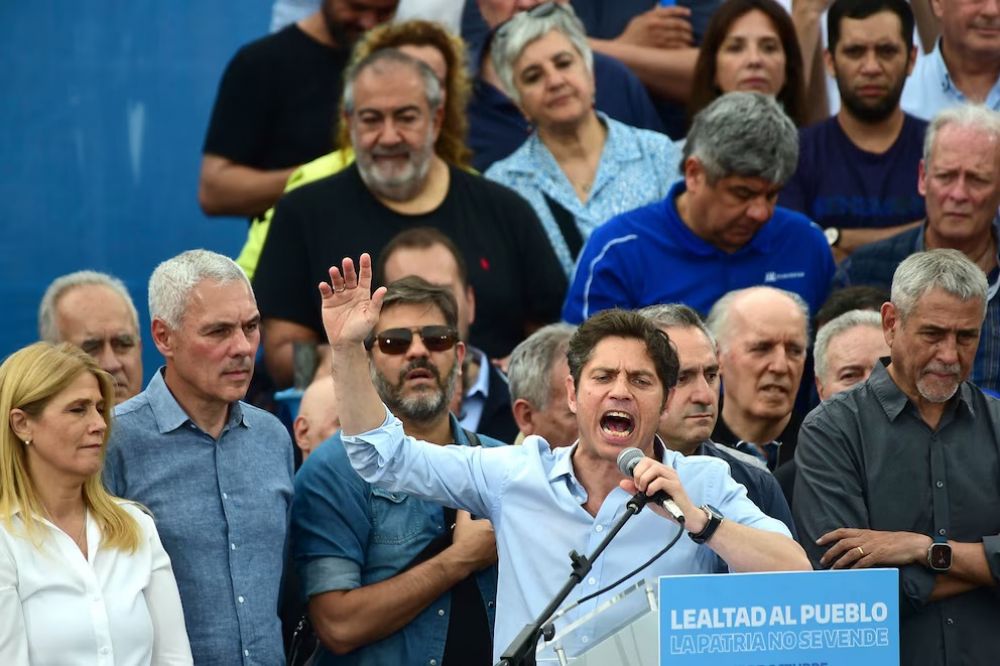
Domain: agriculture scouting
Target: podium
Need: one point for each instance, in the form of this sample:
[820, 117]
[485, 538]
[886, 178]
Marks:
[622, 631]
[848, 618]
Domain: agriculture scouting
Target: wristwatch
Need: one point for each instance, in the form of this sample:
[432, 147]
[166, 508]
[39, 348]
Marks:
[714, 520]
[832, 236]
[939, 555]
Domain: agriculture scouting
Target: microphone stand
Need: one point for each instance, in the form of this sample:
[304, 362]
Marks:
[521, 651]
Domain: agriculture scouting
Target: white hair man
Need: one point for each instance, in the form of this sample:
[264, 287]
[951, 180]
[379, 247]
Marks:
[763, 336]
[901, 470]
[94, 311]
[215, 471]
[960, 180]
[537, 374]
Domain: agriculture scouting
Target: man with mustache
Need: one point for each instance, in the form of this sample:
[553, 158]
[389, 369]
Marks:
[855, 173]
[391, 578]
[964, 67]
[959, 177]
[901, 470]
[687, 424]
[214, 471]
[763, 336]
[393, 106]
[276, 104]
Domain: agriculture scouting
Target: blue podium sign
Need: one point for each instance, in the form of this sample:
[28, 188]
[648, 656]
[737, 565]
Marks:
[817, 618]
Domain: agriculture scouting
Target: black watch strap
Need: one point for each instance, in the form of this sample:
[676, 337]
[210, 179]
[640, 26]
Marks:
[714, 520]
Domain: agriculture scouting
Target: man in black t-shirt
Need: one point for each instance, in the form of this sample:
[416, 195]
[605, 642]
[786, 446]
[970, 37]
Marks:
[394, 111]
[276, 106]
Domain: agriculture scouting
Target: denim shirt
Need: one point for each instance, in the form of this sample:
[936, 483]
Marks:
[348, 534]
[221, 508]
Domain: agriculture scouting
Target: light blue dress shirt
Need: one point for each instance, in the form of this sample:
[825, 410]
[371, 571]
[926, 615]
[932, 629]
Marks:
[221, 507]
[929, 88]
[532, 496]
[637, 168]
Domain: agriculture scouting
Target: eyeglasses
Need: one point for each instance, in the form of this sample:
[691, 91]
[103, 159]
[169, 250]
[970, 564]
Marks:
[538, 11]
[395, 341]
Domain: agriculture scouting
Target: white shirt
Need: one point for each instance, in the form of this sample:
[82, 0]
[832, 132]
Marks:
[112, 608]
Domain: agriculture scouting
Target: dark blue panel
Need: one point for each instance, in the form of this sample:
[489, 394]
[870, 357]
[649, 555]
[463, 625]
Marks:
[103, 108]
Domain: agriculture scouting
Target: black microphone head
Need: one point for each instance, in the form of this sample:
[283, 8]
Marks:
[628, 459]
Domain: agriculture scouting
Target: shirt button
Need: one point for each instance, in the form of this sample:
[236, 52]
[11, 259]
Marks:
[433, 662]
[232, 546]
[939, 484]
[950, 621]
[225, 496]
[592, 581]
[246, 653]
[490, 604]
[441, 612]
[942, 531]
[599, 528]
[240, 599]
[584, 639]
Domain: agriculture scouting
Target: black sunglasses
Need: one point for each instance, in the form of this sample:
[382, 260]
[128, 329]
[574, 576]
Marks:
[395, 341]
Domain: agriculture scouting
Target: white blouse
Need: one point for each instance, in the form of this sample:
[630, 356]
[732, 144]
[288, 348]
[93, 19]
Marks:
[112, 608]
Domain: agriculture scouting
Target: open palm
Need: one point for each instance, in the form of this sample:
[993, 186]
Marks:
[349, 309]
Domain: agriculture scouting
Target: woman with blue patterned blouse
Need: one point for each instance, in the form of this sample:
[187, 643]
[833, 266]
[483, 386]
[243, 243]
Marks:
[579, 168]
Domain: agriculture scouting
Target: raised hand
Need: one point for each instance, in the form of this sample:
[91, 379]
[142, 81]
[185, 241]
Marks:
[349, 309]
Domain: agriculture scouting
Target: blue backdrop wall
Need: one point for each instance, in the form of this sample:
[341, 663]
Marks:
[103, 108]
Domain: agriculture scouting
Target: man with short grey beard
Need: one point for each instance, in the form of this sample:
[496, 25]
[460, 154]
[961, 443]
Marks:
[388, 580]
[901, 471]
[393, 107]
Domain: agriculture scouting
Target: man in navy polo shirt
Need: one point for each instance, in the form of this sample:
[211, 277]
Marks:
[717, 230]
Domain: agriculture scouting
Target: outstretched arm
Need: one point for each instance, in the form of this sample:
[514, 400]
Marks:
[350, 312]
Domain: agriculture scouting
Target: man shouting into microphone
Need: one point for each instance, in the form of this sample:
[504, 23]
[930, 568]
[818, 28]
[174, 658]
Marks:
[544, 502]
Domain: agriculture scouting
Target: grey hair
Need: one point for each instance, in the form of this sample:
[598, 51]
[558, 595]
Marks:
[172, 281]
[970, 116]
[532, 360]
[838, 325]
[744, 134]
[948, 270]
[383, 57]
[47, 328]
[677, 315]
[523, 29]
[718, 317]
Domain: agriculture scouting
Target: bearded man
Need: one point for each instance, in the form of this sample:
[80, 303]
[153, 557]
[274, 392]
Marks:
[393, 107]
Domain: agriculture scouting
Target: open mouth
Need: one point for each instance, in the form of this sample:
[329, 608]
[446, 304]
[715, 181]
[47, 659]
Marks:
[617, 425]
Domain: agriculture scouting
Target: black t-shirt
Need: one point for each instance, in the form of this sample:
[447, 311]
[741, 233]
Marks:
[512, 267]
[277, 102]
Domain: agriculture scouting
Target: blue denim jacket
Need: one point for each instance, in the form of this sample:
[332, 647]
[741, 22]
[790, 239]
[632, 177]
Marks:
[348, 534]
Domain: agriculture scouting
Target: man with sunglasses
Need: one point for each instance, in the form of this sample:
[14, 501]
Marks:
[393, 579]
[545, 502]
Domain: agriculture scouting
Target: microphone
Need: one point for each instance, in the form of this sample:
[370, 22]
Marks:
[627, 460]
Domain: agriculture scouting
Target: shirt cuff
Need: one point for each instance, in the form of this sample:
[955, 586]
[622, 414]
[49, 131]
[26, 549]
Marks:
[329, 573]
[916, 583]
[991, 544]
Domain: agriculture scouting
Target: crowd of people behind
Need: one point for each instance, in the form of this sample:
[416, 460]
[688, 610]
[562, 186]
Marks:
[573, 230]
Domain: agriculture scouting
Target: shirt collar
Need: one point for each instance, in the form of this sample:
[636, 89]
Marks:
[894, 401]
[482, 385]
[940, 69]
[994, 287]
[169, 414]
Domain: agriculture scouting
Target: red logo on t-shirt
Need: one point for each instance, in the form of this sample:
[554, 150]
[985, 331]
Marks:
[484, 263]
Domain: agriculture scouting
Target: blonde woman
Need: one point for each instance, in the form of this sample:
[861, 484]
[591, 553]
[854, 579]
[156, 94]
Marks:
[83, 577]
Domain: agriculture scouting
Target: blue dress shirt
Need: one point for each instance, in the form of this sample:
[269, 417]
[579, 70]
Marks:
[347, 534]
[929, 89]
[636, 168]
[221, 508]
[532, 496]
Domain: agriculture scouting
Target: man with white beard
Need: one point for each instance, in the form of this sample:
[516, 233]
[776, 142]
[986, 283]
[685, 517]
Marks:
[901, 470]
[393, 107]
